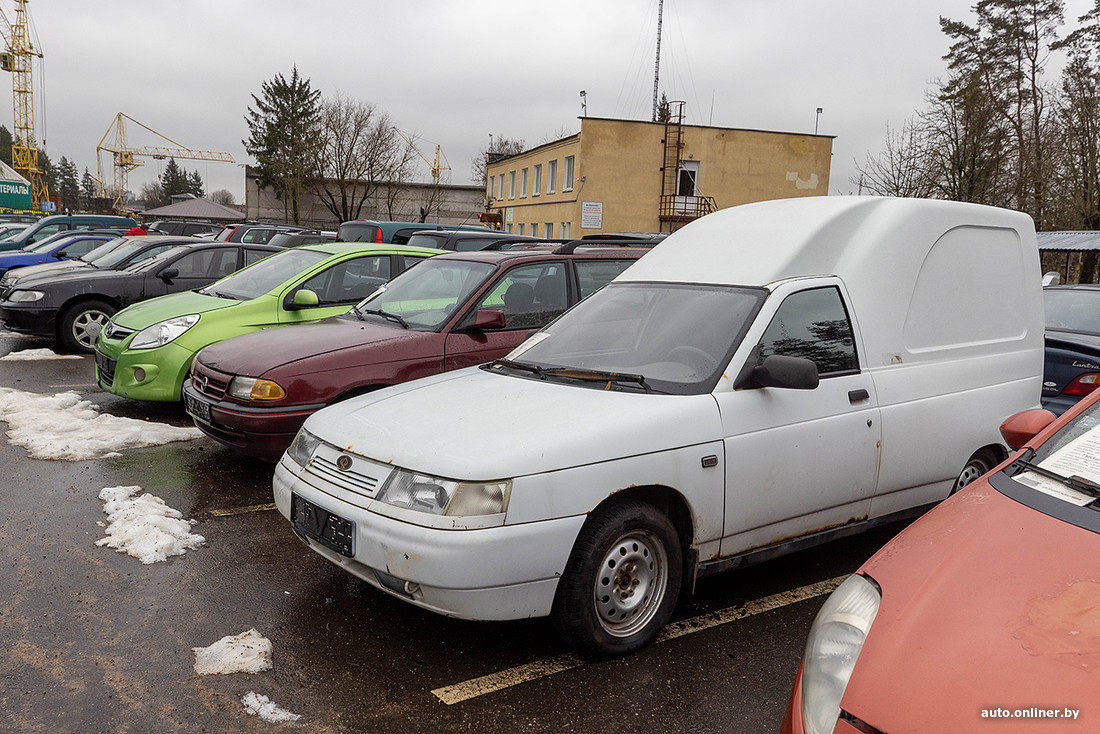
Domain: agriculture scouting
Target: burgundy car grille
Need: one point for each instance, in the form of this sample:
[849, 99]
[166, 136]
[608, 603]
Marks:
[210, 382]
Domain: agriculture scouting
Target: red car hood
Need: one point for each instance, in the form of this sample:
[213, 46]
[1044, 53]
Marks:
[986, 604]
[262, 351]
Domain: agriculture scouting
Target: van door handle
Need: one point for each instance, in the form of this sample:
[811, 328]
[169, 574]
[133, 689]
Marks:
[854, 396]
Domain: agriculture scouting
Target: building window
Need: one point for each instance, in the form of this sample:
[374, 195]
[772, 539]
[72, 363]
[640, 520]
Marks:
[501, 194]
[567, 174]
[521, 229]
[492, 186]
[549, 232]
[537, 183]
[509, 229]
[523, 184]
[565, 227]
[551, 176]
[511, 184]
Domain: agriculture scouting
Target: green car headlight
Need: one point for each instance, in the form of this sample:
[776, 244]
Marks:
[160, 334]
[833, 645]
[438, 496]
[26, 296]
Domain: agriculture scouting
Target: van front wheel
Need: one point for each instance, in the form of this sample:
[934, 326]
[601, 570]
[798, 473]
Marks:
[621, 582]
[979, 464]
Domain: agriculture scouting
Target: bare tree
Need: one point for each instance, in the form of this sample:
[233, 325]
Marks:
[224, 197]
[901, 168]
[499, 147]
[152, 193]
[359, 151]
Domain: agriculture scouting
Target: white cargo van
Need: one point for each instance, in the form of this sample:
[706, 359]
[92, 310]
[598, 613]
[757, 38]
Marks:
[769, 377]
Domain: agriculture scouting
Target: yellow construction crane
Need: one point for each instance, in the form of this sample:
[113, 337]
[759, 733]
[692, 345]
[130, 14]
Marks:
[125, 158]
[16, 58]
[436, 168]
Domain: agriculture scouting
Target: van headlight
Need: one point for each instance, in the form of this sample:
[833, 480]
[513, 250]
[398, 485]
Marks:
[835, 641]
[160, 334]
[302, 447]
[438, 496]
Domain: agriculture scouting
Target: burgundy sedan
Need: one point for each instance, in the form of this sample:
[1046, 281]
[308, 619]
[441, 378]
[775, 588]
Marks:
[253, 392]
[981, 616]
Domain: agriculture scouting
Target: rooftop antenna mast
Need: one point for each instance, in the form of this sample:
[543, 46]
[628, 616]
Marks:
[657, 65]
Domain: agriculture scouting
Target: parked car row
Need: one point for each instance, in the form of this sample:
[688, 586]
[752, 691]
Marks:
[496, 428]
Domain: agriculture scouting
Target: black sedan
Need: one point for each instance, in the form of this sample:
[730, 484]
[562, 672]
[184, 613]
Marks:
[75, 305]
[1072, 368]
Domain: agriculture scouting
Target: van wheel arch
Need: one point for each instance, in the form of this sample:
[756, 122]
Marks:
[980, 462]
[650, 529]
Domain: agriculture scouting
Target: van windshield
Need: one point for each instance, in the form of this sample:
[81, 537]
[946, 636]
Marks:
[676, 337]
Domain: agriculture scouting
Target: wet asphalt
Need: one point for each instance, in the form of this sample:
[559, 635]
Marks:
[92, 640]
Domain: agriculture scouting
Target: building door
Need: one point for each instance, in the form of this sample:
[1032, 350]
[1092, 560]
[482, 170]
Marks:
[687, 187]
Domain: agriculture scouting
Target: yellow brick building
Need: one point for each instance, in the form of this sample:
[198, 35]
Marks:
[631, 176]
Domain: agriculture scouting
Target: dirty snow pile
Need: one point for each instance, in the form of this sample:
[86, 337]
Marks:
[30, 355]
[248, 652]
[262, 706]
[66, 427]
[144, 526]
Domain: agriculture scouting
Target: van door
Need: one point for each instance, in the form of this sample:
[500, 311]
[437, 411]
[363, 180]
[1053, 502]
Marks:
[798, 461]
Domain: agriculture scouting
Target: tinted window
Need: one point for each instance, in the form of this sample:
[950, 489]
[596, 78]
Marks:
[252, 255]
[473, 243]
[1073, 310]
[215, 262]
[353, 232]
[813, 324]
[257, 235]
[401, 236]
[350, 280]
[595, 274]
[426, 240]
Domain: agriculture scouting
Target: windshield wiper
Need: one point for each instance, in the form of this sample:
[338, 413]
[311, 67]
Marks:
[534, 369]
[1081, 484]
[384, 314]
[572, 373]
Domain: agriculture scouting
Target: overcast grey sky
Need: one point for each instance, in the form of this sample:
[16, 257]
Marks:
[452, 72]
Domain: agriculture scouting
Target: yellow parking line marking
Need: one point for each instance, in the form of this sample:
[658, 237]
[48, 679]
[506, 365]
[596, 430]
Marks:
[243, 510]
[466, 690]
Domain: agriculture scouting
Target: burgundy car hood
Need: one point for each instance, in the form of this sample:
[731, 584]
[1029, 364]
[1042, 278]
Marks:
[986, 604]
[262, 351]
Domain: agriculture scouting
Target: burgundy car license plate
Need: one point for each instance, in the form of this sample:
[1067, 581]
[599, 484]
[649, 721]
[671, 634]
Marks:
[316, 523]
[197, 409]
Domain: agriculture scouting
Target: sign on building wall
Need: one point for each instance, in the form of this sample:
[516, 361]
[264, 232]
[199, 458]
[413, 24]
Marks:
[591, 215]
[15, 194]
[508, 215]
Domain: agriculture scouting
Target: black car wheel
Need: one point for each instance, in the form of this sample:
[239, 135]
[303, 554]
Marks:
[80, 324]
[622, 580]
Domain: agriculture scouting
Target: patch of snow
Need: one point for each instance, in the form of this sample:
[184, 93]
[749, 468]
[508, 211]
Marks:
[260, 705]
[144, 526]
[28, 355]
[248, 652]
[67, 427]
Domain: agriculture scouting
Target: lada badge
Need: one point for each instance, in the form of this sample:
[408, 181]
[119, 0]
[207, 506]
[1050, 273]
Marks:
[344, 462]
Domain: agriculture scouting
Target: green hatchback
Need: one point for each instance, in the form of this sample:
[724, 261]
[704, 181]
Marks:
[145, 351]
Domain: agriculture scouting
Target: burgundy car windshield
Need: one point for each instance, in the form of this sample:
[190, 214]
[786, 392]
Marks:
[426, 296]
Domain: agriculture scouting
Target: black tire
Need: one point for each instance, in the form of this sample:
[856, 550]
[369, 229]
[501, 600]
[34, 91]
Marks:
[80, 324]
[621, 582]
[979, 464]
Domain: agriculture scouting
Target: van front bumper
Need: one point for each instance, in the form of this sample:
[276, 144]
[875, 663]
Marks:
[497, 573]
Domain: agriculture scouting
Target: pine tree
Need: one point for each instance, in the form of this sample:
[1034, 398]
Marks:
[68, 188]
[174, 179]
[283, 134]
[88, 189]
[195, 185]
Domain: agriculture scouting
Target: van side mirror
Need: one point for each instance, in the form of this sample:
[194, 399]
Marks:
[1025, 425]
[793, 373]
[168, 274]
[304, 298]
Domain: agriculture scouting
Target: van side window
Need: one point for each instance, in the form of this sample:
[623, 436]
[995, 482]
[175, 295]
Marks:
[813, 324]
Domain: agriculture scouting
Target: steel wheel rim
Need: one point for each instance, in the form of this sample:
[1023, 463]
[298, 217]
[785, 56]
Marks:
[630, 583]
[970, 473]
[87, 325]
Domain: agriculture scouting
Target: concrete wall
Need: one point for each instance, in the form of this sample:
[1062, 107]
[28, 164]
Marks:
[618, 173]
[449, 204]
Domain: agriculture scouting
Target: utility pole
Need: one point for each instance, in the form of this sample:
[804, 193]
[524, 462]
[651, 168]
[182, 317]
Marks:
[657, 65]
